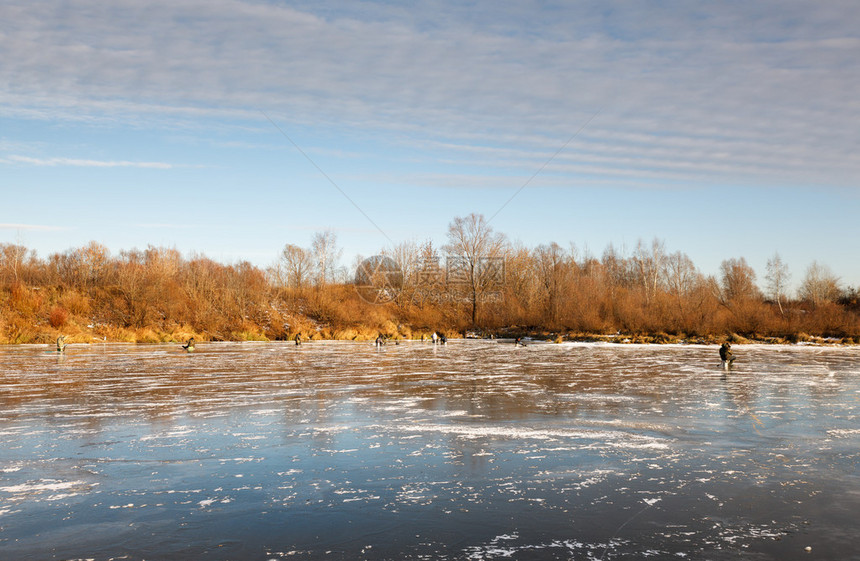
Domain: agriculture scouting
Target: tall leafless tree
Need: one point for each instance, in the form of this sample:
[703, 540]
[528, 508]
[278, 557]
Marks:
[681, 277]
[650, 265]
[738, 281]
[294, 267]
[12, 258]
[326, 256]
[777, 278]
[554, 272]
[475, 254]
[819, 285]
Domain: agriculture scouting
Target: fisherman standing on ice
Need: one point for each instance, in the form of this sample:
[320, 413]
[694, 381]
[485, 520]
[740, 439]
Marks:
[726, 356]
[434, 337]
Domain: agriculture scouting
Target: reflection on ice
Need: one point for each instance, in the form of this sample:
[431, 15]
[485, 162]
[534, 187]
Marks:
[475, 450]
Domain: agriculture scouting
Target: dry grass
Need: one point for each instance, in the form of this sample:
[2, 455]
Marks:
[248, 332]
[156, 296]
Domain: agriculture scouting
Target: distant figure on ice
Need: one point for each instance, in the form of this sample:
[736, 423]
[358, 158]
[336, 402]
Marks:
[726, 356]
[519, 342]
[298, 339]
[443, 340]
[189, 346]
[61, 343]
[380, 340]
[435, 338]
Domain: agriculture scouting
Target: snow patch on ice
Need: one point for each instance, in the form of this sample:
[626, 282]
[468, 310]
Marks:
[44, 485]
[843, 433]
[610, 438]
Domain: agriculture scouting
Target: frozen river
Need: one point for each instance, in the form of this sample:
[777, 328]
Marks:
[476, 450]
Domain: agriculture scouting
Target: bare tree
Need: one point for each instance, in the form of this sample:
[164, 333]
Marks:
[132, 290]
[407, 257]
[246, 288]
[12, 258]
[777, 280]
[294, 267]
[617, 267]
[819, 285]
[738, 281]
[554, 272]
[82, 267]
[523, 294]
[650, 264]
[162, 260]
[475, 254]
[429, 275]
[681, 277]
[326, 255]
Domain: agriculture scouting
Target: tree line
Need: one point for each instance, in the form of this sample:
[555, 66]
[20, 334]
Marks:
[479, 282]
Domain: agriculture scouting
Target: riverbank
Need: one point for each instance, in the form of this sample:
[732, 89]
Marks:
[392, 332]
[213, 302]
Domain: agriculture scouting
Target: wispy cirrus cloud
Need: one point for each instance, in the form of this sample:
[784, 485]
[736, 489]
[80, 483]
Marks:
[76, 162]
[37, 227]
[705, 84]
[164, 226]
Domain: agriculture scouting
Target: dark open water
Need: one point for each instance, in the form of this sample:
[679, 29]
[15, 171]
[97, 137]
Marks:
[476, 450]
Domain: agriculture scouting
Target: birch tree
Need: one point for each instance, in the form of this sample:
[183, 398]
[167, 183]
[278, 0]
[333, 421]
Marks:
[777, 278]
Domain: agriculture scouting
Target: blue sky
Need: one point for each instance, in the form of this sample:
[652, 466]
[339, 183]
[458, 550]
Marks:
[725, 129]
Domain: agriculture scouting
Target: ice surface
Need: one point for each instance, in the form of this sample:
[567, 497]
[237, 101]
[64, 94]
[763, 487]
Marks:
[475, 450]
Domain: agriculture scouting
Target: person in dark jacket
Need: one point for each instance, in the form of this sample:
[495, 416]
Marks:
[726, 356]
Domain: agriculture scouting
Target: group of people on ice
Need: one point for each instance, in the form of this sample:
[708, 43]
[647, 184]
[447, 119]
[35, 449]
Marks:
[435, 337]
[726, 355]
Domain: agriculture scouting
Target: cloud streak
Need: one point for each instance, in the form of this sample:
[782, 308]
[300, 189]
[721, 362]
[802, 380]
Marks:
[36, 227]
[74, 162]
[759, 92]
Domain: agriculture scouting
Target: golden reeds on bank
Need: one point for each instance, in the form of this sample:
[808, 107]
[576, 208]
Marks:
[158, 296]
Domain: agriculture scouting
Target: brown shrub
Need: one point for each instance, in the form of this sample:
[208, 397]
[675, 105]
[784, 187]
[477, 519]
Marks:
[58, 317]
